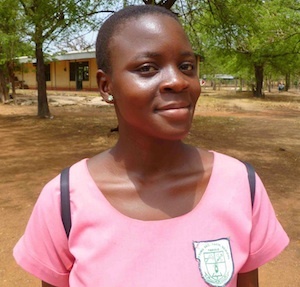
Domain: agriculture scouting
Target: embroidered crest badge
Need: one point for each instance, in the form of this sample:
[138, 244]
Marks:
[215, 261]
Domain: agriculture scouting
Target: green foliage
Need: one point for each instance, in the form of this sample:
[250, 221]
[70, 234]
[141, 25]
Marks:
[46, 20]
[10, 36]
[12, 44]
[239, 34]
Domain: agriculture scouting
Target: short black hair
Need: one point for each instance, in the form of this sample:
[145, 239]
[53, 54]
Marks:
[111, 25]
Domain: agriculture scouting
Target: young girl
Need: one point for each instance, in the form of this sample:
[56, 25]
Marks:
[151, 211]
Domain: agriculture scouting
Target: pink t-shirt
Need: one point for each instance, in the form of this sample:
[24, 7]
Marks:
[221, 237]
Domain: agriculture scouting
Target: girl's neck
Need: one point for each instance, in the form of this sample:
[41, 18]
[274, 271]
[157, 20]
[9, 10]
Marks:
[148, 155]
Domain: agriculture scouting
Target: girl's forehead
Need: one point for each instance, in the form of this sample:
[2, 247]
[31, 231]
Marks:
[149, 21]
[149, 25]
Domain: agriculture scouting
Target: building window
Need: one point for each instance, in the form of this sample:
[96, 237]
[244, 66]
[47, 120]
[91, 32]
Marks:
[72, 71]
[79, 71]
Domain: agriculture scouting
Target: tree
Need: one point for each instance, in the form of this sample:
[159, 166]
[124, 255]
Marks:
[250, 32]
[46, 21]
[11, 45]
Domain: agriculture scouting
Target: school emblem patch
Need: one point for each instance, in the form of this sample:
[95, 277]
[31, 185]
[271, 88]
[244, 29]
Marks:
[214, 261]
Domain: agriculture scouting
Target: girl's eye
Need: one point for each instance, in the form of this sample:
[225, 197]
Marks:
[187, 67]
[147, 69]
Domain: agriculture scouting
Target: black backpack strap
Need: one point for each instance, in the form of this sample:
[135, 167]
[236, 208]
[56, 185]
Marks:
[251, 178]
[65, 200]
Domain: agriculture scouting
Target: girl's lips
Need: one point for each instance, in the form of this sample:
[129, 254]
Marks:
[174, 106]
[175, 111]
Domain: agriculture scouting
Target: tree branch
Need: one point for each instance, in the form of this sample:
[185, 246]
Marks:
[163, 3]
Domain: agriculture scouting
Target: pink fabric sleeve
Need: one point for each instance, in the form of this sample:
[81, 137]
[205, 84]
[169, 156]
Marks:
[43, 249]
[268, 238]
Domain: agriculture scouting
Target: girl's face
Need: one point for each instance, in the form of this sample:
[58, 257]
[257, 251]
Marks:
[153, 77]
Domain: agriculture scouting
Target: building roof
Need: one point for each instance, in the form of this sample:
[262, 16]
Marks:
[67, 56]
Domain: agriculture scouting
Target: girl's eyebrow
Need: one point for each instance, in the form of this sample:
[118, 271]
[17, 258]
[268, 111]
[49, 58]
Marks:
[144, 55]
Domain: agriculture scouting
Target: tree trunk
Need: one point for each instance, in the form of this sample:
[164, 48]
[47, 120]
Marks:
[214, 85]
[287, 81]
[43, 107]
[3, 87]
[241, 84]
[259, 77]
[11, 75]
[269, 82]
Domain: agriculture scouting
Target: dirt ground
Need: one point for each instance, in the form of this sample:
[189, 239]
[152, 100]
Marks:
[265, 132]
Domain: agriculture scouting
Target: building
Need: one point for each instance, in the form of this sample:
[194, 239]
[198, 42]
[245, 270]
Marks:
[70, 71]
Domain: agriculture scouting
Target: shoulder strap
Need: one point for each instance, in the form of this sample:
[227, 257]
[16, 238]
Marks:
[65, 200]
[251, 178]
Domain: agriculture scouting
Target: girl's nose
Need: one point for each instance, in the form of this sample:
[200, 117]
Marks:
[173, 80]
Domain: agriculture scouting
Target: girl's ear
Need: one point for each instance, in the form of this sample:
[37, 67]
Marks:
[103, 81]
